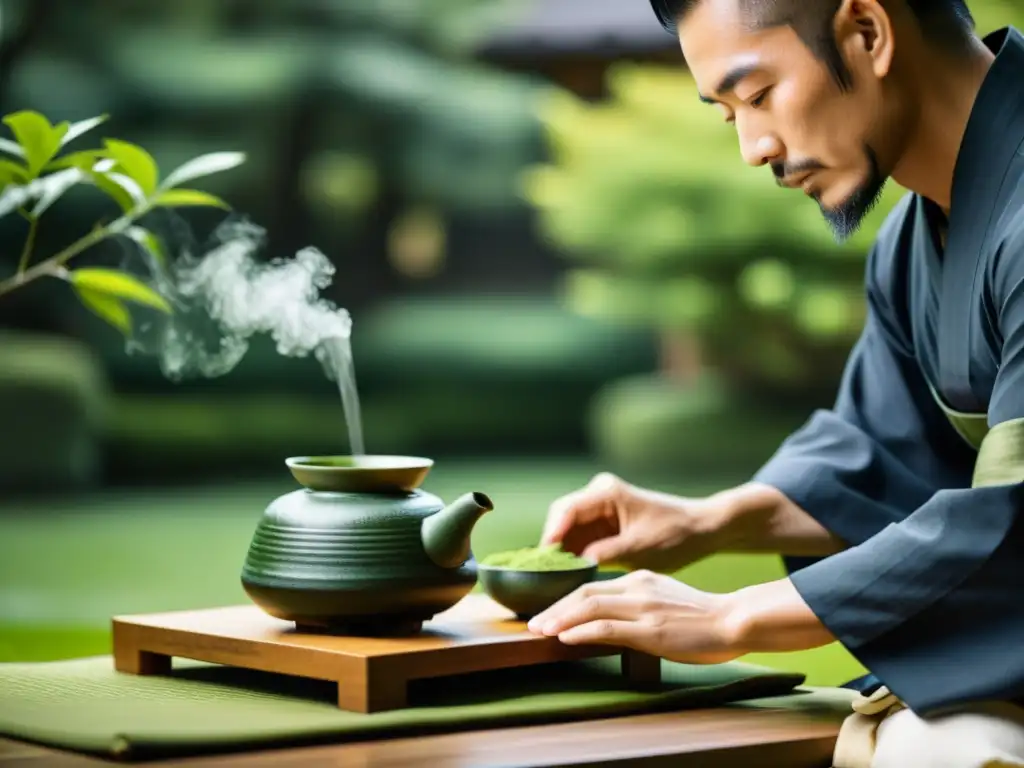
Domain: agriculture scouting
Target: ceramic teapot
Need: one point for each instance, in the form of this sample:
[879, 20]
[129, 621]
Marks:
[360, 549]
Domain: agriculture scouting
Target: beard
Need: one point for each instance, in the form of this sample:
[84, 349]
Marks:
[845, 219]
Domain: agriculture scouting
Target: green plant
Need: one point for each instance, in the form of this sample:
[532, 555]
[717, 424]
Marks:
[35, 171]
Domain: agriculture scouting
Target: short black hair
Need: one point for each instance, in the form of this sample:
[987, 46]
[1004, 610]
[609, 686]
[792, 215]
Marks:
[947, 23]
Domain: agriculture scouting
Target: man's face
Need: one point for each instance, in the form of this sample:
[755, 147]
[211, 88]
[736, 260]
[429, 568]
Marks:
[789, 111]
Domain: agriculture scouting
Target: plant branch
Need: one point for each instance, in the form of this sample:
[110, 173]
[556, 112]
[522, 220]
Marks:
[51, 267]
[30, 241]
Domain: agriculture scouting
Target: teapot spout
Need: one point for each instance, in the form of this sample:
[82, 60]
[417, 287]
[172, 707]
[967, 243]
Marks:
[446, 534]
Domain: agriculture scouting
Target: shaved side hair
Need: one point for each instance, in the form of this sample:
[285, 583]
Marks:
[946, 23]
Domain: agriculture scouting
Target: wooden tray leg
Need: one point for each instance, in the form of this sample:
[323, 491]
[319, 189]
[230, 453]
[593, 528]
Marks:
[128, 657]
[369, 692]
[641, 668]
[137, 662]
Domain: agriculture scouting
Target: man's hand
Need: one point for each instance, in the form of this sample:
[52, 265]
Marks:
[658, 615]
[613, 521]
[647, 612]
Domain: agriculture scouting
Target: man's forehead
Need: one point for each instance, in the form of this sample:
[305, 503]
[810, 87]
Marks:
[716, 28]
[720, 46]
[716, 14]
[748, 13]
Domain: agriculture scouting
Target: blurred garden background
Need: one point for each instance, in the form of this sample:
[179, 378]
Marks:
[555, 261]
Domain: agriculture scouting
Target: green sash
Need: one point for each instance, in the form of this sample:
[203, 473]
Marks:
[1000, 449]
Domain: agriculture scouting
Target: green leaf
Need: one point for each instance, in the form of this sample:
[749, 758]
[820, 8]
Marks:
[136, 163]
[12, 173]
[149, 241]
[107, 307]
[113, 189]
[81, 127]
[130, 186]
[118, 284]
[85, 160]
[39, 140]
[204, 165]
[174, 198]
[54, 186]
[11, 148]
[125, 192]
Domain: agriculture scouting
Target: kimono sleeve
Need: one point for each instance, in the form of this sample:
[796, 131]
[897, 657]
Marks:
[932, 604]
[885, 447]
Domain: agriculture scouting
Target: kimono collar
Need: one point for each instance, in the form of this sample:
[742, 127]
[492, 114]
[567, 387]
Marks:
[995, 129]
[995, 132]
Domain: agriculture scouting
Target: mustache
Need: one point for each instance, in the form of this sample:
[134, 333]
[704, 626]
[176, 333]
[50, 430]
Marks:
[784, 170]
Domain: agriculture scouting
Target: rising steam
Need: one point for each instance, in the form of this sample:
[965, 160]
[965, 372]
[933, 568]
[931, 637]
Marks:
[222, 296]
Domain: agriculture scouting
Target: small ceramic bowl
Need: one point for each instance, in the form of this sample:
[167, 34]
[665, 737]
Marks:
[360, 474]
[527, 593]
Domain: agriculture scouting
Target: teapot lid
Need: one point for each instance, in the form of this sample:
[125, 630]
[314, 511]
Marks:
[360, 474]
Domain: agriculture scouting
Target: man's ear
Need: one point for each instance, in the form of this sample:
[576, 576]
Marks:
[864, 33]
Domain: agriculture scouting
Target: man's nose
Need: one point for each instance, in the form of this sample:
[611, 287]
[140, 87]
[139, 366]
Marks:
[759, 148]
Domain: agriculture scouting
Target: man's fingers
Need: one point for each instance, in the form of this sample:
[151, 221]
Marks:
[610, 587]
[574, 509]
[608, 550]
[608, 603]
[561, 517]
[605, 632]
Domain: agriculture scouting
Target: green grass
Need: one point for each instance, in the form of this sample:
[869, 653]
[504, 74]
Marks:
[68, 565]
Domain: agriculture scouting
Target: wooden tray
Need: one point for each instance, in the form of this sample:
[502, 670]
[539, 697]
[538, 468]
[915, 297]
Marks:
[373, 673]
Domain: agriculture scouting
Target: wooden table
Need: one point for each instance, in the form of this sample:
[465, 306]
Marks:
[727, 737]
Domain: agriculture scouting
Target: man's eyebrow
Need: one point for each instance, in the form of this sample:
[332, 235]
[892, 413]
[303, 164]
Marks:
[730, 81]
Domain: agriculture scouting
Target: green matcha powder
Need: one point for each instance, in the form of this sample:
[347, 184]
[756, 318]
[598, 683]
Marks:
[550, 558]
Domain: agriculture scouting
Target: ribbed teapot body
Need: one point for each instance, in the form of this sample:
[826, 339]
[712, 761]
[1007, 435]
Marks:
[350, 561]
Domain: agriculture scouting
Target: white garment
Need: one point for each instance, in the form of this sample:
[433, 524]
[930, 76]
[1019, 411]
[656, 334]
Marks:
[883, 733]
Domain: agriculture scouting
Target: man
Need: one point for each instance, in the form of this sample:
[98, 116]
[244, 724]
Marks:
[903, 503]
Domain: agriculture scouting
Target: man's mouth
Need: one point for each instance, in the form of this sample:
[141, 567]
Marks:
[800, 181]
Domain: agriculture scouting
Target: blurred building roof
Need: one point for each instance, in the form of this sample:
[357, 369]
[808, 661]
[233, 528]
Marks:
[602, 27]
